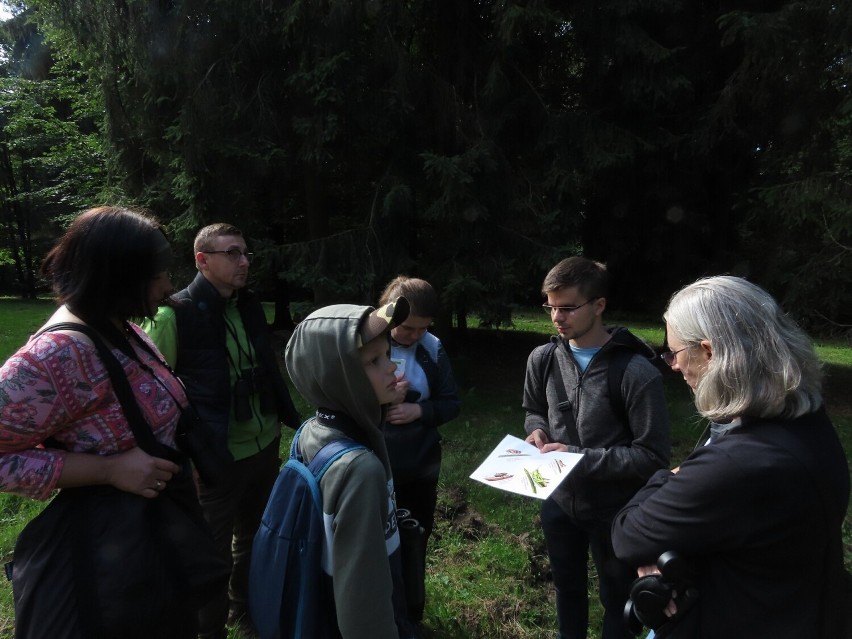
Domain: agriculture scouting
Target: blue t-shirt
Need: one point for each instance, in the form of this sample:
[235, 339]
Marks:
[584, 355]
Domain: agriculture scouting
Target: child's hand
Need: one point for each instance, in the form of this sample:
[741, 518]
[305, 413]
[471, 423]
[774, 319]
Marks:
[402, 385]
[404, 413]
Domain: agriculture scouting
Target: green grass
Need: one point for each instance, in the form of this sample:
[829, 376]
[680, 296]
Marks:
[838, 352]
[20, 319]
[487, 570]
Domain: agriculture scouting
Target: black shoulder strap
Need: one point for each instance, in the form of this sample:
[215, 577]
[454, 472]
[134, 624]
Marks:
[141, 429]
[561, 394]
[154, 355]
[615, 374]
[547, 360]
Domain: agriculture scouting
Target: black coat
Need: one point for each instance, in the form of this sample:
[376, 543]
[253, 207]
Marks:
[758, 513]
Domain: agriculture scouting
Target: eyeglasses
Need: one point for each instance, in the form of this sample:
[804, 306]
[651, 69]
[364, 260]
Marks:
[669, 356]
[568, 310]
[234, 254]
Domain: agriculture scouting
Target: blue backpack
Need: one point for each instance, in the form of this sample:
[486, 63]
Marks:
[288, 598]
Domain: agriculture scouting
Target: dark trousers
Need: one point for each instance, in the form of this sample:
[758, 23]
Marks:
[420, 496]
[568, 544]
[234, 510]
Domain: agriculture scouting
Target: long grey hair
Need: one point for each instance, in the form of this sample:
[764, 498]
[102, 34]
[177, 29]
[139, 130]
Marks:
[762, 364]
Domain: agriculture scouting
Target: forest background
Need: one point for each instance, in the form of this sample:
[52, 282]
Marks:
[471, 143]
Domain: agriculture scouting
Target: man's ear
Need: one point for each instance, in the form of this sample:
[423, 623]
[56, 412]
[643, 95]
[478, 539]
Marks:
[200, 260]
[600, 305]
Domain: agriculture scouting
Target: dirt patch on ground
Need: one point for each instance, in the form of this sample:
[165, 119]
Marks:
[455, 512]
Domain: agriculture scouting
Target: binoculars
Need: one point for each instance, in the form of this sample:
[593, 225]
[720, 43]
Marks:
[650, 595]
[251, 381]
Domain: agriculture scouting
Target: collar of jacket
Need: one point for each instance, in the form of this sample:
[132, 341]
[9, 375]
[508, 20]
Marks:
[206, 296]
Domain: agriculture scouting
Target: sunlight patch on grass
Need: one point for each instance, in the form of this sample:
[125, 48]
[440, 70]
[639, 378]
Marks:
[839, 353]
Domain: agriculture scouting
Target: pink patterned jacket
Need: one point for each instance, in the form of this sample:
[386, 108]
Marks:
[56, 387]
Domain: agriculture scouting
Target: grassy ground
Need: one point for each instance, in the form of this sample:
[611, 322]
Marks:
[487, 569]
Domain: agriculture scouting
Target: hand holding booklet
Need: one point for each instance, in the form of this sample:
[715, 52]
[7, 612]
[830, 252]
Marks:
[519, 467]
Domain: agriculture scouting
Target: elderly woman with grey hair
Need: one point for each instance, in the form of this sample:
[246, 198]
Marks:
[757, 509]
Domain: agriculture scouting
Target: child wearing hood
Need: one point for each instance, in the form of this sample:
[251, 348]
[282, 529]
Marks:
[338, 359]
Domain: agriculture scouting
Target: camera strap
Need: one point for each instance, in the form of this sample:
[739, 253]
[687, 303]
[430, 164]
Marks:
[232, 330]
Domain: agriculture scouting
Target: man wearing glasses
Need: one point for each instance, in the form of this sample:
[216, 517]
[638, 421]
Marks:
[215, 336]
[592, 390]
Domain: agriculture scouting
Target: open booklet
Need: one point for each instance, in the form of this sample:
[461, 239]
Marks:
[519, 467]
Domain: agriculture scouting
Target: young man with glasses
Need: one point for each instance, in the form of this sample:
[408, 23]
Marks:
[592, 390]
[214, 334]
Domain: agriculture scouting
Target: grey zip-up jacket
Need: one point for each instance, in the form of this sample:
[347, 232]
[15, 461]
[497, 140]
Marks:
[618, 458]
[362, 538]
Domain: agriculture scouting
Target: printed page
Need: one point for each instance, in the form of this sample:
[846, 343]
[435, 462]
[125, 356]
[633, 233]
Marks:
[519, 467]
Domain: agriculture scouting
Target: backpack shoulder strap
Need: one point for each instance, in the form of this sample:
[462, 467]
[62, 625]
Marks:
[548, 358]
[321, 462]
[615, 374]
[325, 456]
[294, 445]
[86, 330]
[546, 361]
[329, 454]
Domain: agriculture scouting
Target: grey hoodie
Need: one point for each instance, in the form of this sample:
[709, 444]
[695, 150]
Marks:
[362, 539]
[618, 458]
[324, 363]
